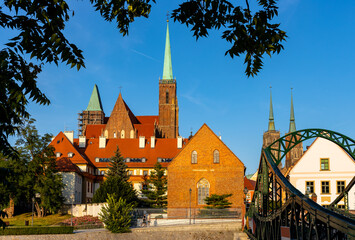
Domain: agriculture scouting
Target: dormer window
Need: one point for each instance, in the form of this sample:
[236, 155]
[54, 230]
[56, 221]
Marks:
[70, 154]
[58, 154]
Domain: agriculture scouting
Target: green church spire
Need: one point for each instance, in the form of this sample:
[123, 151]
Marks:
[95, 101]
[292, 117]
[271, 115]
[168, 69]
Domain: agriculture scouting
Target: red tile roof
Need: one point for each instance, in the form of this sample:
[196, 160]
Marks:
[62, 144]
[65, 165]
[164, 148]
[249, 184]
[146, 125]
[94, 130]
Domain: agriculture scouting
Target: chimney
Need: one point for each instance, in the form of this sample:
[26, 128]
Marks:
[102, 142]
[179, 142]
[69, 135]
[152, 142]
[82, 141]
[141, 141]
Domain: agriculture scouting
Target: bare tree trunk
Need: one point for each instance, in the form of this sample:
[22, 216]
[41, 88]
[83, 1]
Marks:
[39, 210]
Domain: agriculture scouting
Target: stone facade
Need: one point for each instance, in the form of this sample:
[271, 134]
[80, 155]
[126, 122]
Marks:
[168, 109]
[221, 173]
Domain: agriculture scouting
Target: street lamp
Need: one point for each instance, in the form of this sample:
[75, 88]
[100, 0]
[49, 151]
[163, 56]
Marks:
[190, 190]
[72, 202]
[33, 206]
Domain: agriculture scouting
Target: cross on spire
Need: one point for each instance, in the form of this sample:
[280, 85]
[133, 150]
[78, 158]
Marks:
[167, 16]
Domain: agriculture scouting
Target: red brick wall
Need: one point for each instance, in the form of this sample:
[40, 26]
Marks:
[168, 112]
[224, 177]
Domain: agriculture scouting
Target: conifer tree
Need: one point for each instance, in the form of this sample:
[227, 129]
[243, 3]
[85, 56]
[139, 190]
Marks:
[118, 168]
[117, 214]
[117, 182]
[156, 187]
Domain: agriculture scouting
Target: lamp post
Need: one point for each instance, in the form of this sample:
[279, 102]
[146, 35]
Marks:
[33, 206]
[190, 190]
[72, 202]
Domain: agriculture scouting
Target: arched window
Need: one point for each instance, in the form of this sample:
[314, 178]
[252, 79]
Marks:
[203, 189]
[216, 156]
[123, 134]
[167, 97]
[131, 134]
[194, 157]
[114, 134]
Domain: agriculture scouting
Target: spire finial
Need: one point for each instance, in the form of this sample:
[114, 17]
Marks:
[168, 69]
[167, 16]
[120, 87]
[271, 115]
[292, 116]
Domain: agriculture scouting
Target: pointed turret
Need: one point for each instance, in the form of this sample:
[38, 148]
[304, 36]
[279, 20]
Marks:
[271, 115]
[292, 117]
[168, 69]
[95, 101]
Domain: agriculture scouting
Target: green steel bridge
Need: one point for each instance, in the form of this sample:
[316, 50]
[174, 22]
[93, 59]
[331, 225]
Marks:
[279, 211]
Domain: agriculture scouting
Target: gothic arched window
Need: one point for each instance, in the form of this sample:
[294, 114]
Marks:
[194, 157]
[203, 189]
[216, 156]
[167, 97]
[131, 135]
[123, 135]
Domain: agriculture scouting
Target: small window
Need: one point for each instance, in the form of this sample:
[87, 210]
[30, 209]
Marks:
[144, 186]
[325, 187]
[114, 134]
[194, 157]
[167, 97]
[70, 154]
[123, 135]
[102, 172]
[216, 156]
[340, 186]
[130, 172]
[341, 206]
[310, 187]
[324, 164]
[58, 154]
[131, 134]
[145, 173]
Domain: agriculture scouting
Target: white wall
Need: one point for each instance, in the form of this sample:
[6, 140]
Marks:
[341, 168]
[80, 210]
[72, 191]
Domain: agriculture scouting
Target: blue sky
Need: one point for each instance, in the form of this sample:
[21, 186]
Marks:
[318, 63]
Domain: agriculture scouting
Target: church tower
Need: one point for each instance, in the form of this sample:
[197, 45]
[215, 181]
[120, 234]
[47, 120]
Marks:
[296, 152]
[93, 114]
[271, 135]
[168, 105]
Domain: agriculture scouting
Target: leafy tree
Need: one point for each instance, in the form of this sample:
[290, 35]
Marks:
[117, 182]
[39, 38]
[216, 201]
[117, 214]
[35, 171]
[156, 187]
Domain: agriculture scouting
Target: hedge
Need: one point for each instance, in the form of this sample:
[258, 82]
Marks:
[36, 230]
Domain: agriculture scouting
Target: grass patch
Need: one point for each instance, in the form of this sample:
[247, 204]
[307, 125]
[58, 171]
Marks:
[19, 220]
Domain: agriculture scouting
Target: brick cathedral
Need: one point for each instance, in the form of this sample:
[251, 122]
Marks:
[122, 123]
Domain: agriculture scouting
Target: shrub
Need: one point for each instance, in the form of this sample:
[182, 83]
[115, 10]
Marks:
[36, 230]
[117, 214]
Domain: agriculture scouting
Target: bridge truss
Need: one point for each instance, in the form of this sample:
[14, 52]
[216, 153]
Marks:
[278, 210]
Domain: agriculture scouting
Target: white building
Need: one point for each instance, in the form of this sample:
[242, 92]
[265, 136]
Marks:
[73, 181]
[325, 169]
